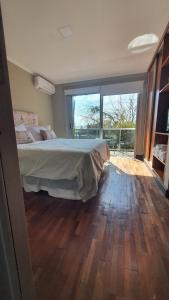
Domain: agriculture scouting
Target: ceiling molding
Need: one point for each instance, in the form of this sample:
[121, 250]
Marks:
[104, 81]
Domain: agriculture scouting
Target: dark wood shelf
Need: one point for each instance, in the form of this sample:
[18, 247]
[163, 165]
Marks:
[165, 88]
[158, 167]
[159, 159]
[165, 62]
[158, 110]
[162, 133]
[159, 173]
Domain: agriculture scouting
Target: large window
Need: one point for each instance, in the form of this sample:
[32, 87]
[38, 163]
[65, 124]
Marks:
[86, 116]
[119, 121]
[119, 111]
[112, 118]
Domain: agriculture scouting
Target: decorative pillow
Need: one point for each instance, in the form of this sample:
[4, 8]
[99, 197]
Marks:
[48, 134]
[35, 130]
[24, 137]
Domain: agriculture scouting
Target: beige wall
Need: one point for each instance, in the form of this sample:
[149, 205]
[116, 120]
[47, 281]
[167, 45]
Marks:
[59, 111]
[26, 97]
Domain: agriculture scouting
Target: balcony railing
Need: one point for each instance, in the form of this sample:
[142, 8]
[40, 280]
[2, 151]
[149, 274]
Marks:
[118, 139]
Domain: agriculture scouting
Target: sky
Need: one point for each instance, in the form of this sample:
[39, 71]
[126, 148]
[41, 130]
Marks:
[84, 102]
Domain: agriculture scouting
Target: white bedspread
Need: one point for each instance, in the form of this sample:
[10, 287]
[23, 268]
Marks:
[66, 159]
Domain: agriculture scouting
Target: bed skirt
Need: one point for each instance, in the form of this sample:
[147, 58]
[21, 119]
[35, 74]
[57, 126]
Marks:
[65, 189]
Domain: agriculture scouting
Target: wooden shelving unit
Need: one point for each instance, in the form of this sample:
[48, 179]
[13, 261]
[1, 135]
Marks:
[162, 162]
[160, 174]
[161, 136]
[164, 79]
[158, 111]
[157, 164]
[162, 133]
[165, 62]
[165, 88]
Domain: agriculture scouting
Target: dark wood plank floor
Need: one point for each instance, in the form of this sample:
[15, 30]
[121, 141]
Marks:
[116, 246]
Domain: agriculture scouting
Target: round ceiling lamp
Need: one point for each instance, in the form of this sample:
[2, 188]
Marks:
[143, 43]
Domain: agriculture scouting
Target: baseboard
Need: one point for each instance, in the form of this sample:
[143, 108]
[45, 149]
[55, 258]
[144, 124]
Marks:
[140, 157]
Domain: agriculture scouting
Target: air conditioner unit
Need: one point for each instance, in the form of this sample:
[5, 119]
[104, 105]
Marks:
[43, 85]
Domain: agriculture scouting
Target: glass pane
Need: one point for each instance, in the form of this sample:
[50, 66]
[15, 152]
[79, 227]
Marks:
[127, 139]
[119, 121]
[87, 111]
[86, 116]
[119, 111]
[112, 137]
[88, 133]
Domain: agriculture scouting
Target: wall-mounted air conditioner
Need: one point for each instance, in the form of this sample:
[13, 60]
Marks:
[43, 85]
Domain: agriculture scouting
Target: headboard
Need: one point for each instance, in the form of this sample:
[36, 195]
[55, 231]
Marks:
[28, 118]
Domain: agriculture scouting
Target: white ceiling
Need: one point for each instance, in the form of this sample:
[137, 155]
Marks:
[101, 29]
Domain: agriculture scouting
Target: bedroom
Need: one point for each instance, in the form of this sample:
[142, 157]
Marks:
[89, 214]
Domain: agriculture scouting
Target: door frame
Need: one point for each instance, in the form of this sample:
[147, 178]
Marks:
[13, 231]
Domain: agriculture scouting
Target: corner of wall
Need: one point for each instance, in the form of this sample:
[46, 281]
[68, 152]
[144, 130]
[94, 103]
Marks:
[59, 112]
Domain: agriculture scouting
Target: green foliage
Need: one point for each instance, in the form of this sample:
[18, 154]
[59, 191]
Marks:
[119, 114]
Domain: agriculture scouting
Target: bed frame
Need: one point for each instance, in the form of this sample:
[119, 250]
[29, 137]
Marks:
[27, 118]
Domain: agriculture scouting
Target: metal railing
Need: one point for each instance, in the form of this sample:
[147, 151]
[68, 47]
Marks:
[119, 139]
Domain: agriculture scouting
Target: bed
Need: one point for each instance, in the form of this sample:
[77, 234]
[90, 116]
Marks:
[65, 168]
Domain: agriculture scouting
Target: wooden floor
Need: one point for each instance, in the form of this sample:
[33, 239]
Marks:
[115, 246]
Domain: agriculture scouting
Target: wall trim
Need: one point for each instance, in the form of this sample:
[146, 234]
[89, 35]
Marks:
[104, 81]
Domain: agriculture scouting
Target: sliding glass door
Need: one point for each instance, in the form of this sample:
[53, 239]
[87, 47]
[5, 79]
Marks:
[86, 116]
[119, 121]
[111, 117]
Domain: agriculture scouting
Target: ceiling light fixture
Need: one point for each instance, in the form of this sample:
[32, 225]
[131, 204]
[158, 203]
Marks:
[65, 31]
[143, 43]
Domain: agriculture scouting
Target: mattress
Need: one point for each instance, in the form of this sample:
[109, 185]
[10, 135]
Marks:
[65, 168]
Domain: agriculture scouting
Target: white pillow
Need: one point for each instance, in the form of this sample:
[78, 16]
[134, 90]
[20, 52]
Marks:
[35, 130]
[20, 128]
[48, 134]
[24, 137]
